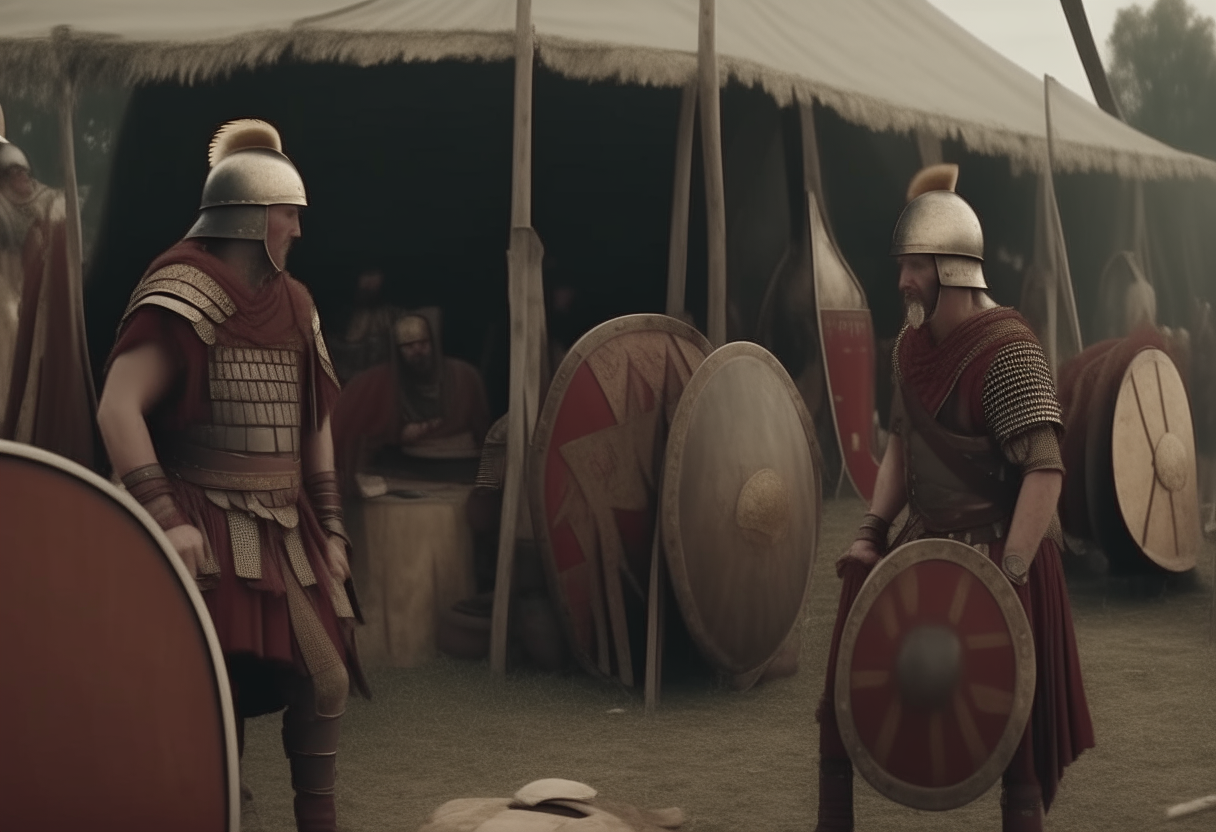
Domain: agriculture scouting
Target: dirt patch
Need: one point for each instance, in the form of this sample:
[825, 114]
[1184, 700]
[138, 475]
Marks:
[747, 762]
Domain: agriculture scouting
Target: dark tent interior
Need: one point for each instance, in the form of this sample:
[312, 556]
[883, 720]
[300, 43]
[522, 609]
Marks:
[408, 168]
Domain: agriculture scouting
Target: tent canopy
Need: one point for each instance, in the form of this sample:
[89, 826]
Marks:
[886, 66]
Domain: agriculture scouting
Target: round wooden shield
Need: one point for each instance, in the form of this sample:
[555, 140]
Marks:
[1153, 462]
[741, 504]
[114, 691]
[935, 676]
[593, 477]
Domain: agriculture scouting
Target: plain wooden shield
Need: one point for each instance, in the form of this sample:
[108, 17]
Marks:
[935, 675]
[1153, 462]
[115, 698]
[593, 472]
[741, 506]
[847, 334]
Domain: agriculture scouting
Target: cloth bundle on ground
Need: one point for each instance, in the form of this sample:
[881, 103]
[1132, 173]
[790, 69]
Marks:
[551, 805]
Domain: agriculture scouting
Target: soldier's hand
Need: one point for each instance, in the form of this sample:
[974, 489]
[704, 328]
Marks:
[188, 543]
[335, 558]
[862, 551]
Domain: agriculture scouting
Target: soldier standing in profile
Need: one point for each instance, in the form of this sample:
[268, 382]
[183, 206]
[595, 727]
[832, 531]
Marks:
[215, 414]
[970, 374]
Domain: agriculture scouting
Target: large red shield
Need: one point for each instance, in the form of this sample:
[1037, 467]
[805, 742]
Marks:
[116, 703]
[935, 676]
[847, 335]
[593, 472]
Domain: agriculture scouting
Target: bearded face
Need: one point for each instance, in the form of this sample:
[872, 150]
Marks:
[919, 286]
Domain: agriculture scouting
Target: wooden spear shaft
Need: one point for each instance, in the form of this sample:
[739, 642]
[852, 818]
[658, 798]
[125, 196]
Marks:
[677, 254]
[715, 190]
[519, 293]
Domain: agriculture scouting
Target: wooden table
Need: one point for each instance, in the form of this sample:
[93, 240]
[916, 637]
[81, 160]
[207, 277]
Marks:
[413, 558]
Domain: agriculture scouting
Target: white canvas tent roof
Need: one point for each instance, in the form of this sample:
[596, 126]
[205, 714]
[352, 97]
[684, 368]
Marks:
[882, 64]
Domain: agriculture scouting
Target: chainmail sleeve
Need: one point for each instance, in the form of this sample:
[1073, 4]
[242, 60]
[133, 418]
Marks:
[1021, 408]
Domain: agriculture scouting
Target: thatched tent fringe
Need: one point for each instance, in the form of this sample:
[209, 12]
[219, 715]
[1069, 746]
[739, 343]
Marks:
[30, 67]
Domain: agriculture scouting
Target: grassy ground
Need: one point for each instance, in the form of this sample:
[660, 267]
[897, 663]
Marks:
[744, 762]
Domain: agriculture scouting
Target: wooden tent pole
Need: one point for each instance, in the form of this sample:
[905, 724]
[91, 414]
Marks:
[523, 264]
[715, 190]
[677, 254]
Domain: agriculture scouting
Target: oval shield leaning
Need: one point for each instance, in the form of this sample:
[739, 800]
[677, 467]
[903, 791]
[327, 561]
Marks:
[593, 471]
[741, 504]
[935, 676]
[1153, 462]
[118, 711]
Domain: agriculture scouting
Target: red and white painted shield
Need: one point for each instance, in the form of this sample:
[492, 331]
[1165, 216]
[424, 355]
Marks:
[935, 675]
[593, 474]
[847, 335]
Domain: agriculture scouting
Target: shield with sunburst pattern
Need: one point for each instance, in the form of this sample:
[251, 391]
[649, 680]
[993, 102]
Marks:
[935, 676]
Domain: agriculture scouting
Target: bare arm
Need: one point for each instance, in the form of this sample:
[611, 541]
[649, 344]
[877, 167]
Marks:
[318, 450]
[890, 489]
[1036, 504]
[137, 380]
[890, 496]
[319, 459]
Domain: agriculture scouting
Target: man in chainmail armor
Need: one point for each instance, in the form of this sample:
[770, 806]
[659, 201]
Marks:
[974, 455]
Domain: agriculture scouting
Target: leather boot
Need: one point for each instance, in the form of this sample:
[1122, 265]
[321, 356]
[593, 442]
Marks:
[835, 795]
[311, 744]
[1021, 808]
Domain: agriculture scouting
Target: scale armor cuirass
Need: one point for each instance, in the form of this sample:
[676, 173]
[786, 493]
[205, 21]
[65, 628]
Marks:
[247, 457]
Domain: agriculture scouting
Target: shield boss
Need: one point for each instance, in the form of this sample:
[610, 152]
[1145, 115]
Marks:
[1154, 463]
[741, 502]
[935, 675]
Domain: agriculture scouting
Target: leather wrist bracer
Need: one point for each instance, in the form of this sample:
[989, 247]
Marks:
[149, 485]
[1016, 566]
[874, 529]
[326, 499]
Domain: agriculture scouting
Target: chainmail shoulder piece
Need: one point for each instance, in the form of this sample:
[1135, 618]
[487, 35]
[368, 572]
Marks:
[1019, 392]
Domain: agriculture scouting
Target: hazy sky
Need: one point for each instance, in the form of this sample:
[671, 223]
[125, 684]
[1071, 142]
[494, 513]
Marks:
[1035, 35]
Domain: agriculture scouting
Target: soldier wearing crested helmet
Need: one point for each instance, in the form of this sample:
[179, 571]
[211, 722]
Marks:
[215, 414]
[974, 455]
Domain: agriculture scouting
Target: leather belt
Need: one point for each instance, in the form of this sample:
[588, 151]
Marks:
[210, 468]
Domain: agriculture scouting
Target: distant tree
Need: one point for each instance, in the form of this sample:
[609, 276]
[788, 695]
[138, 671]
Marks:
[1163, 72]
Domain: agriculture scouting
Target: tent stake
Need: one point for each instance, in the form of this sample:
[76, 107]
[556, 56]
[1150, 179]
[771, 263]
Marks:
[715, 191]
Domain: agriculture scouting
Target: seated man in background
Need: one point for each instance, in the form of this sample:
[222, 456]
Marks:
[417, 399]
[366, 339]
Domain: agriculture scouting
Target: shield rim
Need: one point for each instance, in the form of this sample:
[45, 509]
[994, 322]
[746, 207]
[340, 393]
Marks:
[1185, 432]
[673, 546]
[887, 570]
[542, 436]
[31, 453]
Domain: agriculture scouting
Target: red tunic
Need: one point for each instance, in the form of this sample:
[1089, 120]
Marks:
[368, 415]
[1059, 728]
[250, 616]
